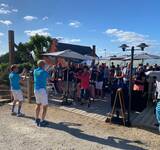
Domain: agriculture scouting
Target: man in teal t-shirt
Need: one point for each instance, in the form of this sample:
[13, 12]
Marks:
[40, 79]
[15, 78]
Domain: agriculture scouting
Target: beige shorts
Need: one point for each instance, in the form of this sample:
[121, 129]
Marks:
[41, 96]
[17, 95]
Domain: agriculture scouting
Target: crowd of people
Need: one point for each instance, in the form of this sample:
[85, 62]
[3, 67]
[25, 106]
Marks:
[83, 82]
[98, 79]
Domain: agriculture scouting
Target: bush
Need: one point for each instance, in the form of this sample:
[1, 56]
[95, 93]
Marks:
[4, 58]
[27, 66]
[4, 71]
[4, 67]
[4, 77]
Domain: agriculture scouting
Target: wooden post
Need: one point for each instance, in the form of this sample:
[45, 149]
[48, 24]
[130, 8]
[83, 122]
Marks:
[29, 89]
[11, 50]
[11, 47]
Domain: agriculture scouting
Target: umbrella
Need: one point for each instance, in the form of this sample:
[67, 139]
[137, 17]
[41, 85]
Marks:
[66, 54]
[69, 55]
[143, 56]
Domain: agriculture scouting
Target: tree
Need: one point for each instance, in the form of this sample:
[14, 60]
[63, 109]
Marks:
[38, 43]
[24, 52]
[4, 58]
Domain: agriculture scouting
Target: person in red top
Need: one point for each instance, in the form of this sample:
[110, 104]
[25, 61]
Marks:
[84, 83]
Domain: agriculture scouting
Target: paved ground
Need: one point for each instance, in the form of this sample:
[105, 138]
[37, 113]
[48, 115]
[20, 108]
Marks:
[97, 110]
[69, 131]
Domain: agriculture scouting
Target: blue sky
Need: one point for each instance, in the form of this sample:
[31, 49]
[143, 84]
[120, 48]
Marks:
[105, 23]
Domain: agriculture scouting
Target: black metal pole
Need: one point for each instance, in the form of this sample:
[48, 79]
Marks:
[130, 87]
[66, 102]
[67, 92]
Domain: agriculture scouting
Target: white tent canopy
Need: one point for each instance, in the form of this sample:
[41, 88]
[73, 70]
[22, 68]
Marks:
[87, 57]
[66, 54]
[110, 58]
[143, 56]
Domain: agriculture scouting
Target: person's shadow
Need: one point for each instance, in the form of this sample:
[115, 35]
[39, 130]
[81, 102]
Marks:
[109, 141]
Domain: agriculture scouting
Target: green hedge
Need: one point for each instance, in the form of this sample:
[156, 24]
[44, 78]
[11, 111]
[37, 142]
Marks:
[4, 71]
[28, 66]
[4, 67]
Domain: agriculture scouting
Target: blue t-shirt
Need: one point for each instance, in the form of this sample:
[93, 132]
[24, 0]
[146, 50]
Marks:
[14, 81]
[40, 78]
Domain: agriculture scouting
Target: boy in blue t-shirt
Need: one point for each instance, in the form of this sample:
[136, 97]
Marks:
[15, 78]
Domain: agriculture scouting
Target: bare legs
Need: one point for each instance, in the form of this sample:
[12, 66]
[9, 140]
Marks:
[44, 111]
[19, 106]
[38, 106]
[13, 106]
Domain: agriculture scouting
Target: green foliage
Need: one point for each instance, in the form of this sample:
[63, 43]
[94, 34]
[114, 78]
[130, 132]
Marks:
[36, 44]
[4, 58]
[4, 72]
[23, 53]
[4, 66]
[27, 66]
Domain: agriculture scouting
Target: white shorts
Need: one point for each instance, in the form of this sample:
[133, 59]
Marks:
[41, 96]
[17, 95]
[99, 85]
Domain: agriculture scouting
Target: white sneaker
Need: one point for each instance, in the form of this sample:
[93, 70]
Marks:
[20, 115]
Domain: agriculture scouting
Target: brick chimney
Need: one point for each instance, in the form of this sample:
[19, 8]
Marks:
[54, 45]
[11, 47]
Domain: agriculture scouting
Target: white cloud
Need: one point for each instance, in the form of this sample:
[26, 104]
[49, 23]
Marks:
[75, 24]
[30, 18]
[3, 5]
[14, 10]
[43, 31]
[5, 9]
[45, 18]
[128, 37]
[75, 40]
[1, 34]
[59, 23]
[68, 40]
[6, 22]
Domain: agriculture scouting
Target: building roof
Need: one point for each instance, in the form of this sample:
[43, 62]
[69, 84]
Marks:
[84, 50]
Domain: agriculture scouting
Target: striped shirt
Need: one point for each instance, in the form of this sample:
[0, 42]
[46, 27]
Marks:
[158, 111]
[158, 101]
[158, 89]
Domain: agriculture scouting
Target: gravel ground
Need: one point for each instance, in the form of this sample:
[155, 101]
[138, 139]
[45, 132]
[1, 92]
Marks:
[69, 131]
